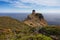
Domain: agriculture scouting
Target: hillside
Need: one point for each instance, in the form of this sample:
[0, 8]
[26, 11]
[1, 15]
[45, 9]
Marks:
[12, 29]
[8, 22]
[34, 27]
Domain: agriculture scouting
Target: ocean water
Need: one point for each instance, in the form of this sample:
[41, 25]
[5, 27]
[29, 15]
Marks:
[52, 19]
[18, 16]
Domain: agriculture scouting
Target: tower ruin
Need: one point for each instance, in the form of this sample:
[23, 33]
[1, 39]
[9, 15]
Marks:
[33, 11]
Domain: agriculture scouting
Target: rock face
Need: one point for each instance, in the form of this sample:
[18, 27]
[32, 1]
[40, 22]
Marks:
[35, 19]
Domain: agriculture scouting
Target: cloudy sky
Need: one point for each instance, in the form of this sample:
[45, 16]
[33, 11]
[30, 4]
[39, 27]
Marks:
[44, 6]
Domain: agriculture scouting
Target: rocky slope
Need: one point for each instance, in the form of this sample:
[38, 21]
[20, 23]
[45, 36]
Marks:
[12, 29]
[35, 19]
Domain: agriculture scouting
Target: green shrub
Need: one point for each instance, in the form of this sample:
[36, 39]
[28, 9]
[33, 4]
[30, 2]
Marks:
[36, 37]
[50, 30]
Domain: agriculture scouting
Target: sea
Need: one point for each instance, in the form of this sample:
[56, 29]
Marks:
[51, 18]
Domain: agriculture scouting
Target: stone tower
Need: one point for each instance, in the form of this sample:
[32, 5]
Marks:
[33, 11]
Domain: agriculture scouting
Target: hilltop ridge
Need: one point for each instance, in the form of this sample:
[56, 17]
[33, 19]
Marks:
[35, 19]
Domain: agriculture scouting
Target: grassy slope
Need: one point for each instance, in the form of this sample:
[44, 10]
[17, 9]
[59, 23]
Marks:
[12, 29]
[52, 31]
[7, 22]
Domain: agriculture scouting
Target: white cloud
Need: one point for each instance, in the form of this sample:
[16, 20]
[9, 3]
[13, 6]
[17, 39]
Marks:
[33, 2]
[16, 4]
[19, 4]
[49, 3]
[44, 2]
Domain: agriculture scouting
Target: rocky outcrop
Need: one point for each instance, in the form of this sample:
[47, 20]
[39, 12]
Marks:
[35, 19]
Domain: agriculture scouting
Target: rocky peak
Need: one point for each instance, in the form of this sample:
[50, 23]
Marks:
[35, 19]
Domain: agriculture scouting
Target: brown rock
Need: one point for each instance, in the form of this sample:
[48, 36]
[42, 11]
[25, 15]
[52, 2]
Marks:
[35, 19]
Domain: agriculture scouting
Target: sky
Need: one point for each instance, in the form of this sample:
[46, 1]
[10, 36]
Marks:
[26, 6]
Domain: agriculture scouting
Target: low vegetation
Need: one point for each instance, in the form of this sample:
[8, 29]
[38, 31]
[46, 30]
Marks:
[12, 29]
[52, 31]
[29, 34]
